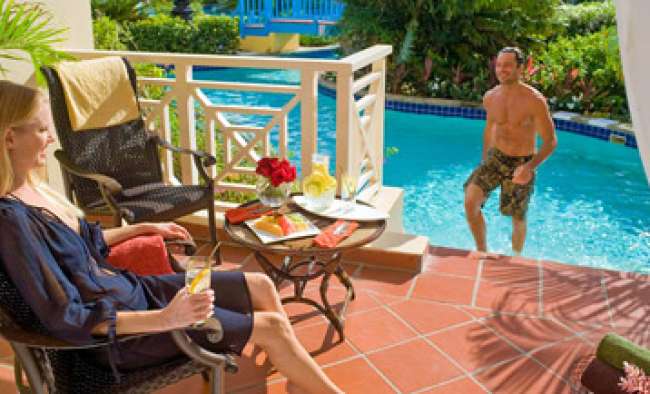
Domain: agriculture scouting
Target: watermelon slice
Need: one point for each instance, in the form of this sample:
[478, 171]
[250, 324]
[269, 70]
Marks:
[286, 225]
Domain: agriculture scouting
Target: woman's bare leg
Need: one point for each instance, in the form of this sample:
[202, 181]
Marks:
[264, 296]
[273, 332]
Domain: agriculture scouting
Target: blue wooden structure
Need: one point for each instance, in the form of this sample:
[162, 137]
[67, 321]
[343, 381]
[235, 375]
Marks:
[261, 17]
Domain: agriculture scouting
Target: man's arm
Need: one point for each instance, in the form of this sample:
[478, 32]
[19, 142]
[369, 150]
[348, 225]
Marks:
[488, 133]
[546, 129]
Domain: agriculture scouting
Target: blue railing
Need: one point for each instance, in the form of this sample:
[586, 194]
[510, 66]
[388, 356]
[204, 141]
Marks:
[261, 17]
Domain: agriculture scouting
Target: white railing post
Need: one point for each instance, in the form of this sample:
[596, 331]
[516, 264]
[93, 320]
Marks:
[379, 90]
[167, 155]
[308, 117]
[344, 126]
[186, 121]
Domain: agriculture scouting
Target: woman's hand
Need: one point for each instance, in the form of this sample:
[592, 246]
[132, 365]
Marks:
[186, 309]
[169, 230]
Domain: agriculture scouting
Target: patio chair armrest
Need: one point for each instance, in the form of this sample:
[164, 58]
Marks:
[202, 355]
[105, 182]
[34, 339]
[207, 159]
[189, 246]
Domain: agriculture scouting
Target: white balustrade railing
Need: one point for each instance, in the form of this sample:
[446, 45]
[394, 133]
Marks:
[359, 113]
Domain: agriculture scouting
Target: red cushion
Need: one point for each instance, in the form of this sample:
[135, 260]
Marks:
[143, 255]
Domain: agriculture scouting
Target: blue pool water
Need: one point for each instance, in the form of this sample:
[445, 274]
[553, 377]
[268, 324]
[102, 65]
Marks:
[591, 204]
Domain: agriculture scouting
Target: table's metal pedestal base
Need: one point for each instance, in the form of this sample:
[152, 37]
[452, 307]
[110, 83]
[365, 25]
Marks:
[324, 265]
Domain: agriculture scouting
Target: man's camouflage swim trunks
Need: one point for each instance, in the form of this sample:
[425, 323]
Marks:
[497, 170]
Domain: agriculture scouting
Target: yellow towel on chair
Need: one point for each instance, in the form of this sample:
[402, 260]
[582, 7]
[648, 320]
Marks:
[98, 93]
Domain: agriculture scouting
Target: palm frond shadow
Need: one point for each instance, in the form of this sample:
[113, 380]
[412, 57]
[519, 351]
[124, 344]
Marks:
[579, 298]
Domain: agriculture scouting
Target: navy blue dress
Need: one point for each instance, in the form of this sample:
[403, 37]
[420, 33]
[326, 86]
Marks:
[64, 277]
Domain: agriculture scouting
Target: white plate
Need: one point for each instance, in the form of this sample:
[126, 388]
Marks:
[267, 238]
[340, 210]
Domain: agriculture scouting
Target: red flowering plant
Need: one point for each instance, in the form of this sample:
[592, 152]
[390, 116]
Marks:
[277, 171]
[274, 183]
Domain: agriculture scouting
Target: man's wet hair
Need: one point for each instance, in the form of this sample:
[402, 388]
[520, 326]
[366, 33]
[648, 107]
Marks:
[519, 55]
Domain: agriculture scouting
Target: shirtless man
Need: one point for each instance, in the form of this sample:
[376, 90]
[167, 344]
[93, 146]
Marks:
[515, 113]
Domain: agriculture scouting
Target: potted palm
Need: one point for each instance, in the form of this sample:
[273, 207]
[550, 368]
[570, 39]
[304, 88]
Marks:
[26, 35]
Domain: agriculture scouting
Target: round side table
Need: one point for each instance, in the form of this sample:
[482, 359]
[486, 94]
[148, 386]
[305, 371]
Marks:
[301, 261]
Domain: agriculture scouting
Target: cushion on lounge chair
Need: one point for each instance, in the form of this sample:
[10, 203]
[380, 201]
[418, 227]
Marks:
[613, 349]
[98, 93]
[143, 255]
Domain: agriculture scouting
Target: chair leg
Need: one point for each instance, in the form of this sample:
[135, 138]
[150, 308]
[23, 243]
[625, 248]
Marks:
[217, 381]
[25, 360]
[212, 223]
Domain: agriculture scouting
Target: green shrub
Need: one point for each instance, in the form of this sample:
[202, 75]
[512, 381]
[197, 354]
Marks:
[161, 33]
[108, 34]
[315, 41]
[583, 74]
[586, 17]
[205, 34]
[216, 34]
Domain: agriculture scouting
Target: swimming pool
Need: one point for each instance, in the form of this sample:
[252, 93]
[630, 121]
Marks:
[591, 204]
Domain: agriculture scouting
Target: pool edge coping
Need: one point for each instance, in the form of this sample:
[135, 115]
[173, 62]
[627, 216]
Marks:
[599, 128]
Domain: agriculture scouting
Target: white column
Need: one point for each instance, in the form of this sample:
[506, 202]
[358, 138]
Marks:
[633, 32]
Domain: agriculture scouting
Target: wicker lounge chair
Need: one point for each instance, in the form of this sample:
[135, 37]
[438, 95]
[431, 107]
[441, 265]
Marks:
[117, 170]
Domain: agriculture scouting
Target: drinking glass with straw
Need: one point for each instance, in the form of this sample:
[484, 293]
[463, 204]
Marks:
[349, 189]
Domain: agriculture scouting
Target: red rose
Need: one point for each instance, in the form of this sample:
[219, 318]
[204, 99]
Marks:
[265, 166]
[277, 177]
[276, 170]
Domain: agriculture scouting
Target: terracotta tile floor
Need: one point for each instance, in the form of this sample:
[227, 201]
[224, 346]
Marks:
[507, 325]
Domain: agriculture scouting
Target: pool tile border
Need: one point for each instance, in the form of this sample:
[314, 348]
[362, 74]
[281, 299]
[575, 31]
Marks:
[603, 129]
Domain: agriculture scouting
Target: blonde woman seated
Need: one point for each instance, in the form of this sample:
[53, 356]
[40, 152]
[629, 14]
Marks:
[56, 261]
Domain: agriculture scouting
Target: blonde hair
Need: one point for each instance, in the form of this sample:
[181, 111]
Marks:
[19, 104]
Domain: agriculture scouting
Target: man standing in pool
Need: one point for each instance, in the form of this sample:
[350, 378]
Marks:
[516, 112]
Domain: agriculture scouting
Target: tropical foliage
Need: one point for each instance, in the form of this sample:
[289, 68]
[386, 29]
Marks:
[585, 18]
[450, 38]
[25, 34]
[447, 48]
[118, 10]
[582, 74]
[107, 34]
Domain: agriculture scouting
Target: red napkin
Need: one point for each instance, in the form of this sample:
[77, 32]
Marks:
[327, 238]
[238, 215]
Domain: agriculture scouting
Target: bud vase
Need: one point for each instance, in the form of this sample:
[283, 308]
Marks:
[272, 196]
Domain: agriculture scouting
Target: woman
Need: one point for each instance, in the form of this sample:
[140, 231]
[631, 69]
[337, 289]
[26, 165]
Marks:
[56, 261]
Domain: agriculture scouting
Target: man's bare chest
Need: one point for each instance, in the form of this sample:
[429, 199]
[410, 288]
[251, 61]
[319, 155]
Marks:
[511, 113]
